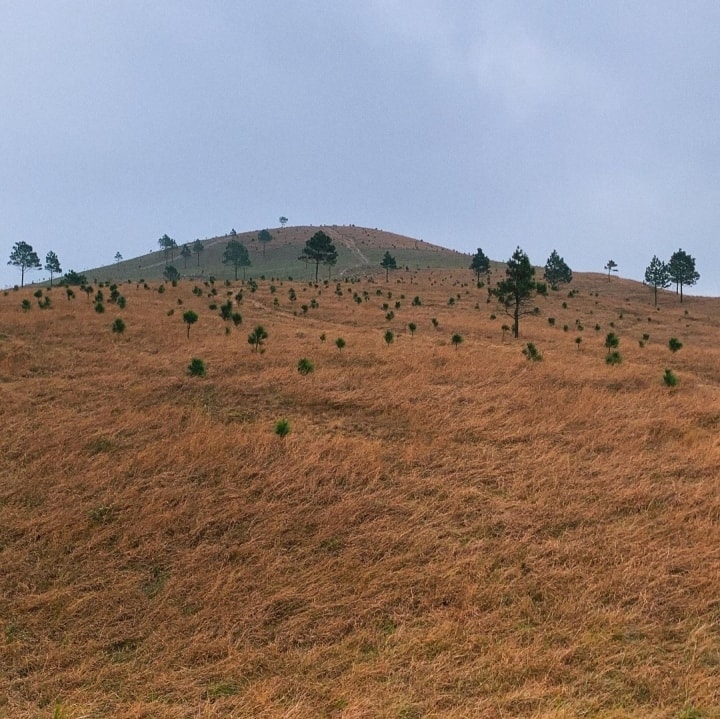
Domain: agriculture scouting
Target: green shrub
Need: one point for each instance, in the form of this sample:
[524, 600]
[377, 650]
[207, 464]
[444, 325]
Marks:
[412, 327]
[611, 340]
[532, 353]
[189, 318]
[613, 357]
[340, 343]
[674, 344]
[456, 339]
[257, 337]
[389, 337]
[670, 378]
[26, 305]
[282, 428]
[118, 326]
[196, 368]
[305, 366]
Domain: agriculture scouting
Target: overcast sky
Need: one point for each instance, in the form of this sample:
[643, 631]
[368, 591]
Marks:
[587, 126]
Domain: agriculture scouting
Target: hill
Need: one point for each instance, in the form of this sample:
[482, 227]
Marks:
[360, 250]
[446, 531]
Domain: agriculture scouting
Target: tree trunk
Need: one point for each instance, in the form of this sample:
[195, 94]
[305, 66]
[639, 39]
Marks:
[681, 293]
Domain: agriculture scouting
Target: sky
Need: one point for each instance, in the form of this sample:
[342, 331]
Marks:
[590, 127]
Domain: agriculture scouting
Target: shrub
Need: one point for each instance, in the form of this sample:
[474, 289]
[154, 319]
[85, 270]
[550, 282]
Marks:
[99, 307]
[456, 339]
[389, 337]
[412, 327]
[282, 428]
[257, 337]
[323, 337]
[196, 368]
[551, 321]
[578, 341]
[416, 301]
[674, 344]
[612, 340]
[340, 343]
[670, 378]
[531, 352]
[305, 366]
[236, 318]
[118, 326]
[434, 321]
[613, 357]
[26, 305]
[189, 318]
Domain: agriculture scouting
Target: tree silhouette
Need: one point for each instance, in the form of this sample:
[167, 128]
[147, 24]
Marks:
[611, 266]
[197, 248]
[264, 237]
[682, 271]
[388, 263]
[52, 265]
[168, 246]
[518, 288]
[186, 254]
[24, 257]
[319, 249]
[236, 254]
[557, 271]
[283, 220]
[657, 275]
[480, 264]
[257, 337]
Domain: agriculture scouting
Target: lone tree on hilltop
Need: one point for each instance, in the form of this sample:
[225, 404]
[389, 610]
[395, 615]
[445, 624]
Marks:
[264, 237]
[236, 254]
[186, 254]
[611, 266]
[657, 275]
[168, 246]
[24, 257]
[283, 220]
[682, 271]
[518, 288]
[197, 248]
[118, 257]
[557, 271]
[388, 263]
[319, 249]
[52, 265]
[480, 264]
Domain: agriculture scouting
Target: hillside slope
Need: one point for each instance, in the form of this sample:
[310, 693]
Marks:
[445, 532]
[360, 250]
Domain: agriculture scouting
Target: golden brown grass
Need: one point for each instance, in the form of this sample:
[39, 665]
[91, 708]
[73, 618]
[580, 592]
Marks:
[444, 533]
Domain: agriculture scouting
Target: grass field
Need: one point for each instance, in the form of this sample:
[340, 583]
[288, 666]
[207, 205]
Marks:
[360, 250]
[446, 531]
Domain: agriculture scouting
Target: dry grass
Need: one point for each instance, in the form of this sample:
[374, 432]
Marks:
[444, 533]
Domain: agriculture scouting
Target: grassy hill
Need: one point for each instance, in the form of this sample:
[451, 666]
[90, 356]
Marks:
[447, 531]
[360, 250]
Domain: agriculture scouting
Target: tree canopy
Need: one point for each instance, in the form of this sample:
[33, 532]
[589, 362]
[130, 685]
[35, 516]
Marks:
[24, 257]
[168, 246]
[682, 271]
[264, 237]
[557, 271]
[518, 288]
[197, 248]
[611, 266]
[388, 263]
[319, 249]
[52, 265]
[480, 264]
[186, 254]
[657, 275]
[236, 254]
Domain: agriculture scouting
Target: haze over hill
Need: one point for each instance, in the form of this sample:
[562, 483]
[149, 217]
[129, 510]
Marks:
[449, 529]
[360, 251]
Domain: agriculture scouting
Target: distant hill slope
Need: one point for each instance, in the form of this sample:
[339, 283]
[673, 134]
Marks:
[360, 250]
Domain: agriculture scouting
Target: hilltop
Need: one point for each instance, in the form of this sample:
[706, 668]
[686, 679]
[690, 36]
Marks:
[360, 250]
[446, 531]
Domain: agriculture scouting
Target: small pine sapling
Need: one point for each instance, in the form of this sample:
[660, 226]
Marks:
[196, 368]
[189, 318]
